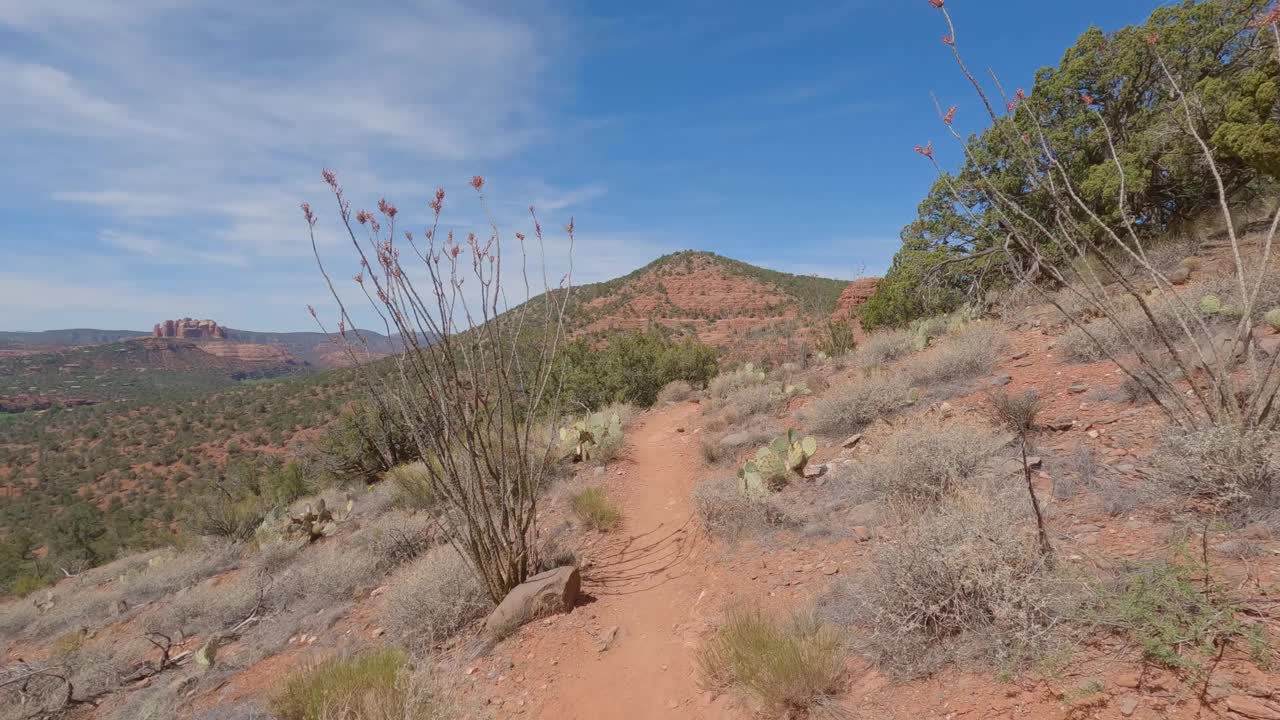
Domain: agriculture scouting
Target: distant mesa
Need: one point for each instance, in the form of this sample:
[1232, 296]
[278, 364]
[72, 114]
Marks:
[190, 329]
[855, 296]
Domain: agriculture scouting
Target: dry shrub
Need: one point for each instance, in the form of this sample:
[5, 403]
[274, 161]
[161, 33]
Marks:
[433, 599]
[885, 346]
[725, 384]
[398, 537]
[747, 401]
[372, 686]
[595, 510]
[964, 355]
[675, 391]
[850, 408]
[790, 666]
[964, 579]
[1127, 319]
[1017, 412]
[727, 513]
[1235, 469]
[274, 555]
[925, 462]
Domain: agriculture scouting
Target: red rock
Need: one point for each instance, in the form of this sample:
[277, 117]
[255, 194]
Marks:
[190, 329]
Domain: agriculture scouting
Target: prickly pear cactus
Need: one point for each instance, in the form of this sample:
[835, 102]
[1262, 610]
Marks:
[580, 439]
[768, 469]
[1210, 305]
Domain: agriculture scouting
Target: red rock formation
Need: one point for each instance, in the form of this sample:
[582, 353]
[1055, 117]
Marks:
[189, 329]
[858, 292]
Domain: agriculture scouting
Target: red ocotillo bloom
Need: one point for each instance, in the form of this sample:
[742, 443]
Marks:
[950, 116]
[948, 40]
[477, 182]
[937, 3]
[927, 150]
[1087, 99]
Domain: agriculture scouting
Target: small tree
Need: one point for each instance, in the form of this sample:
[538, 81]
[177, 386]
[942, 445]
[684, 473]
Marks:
[474, 383]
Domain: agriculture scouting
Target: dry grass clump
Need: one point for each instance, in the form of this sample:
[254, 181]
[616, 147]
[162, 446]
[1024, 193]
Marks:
[412, 486]
[433, 599]
[884, 346]
[675, 391]
[790, 666]
[595, 510]
[850, 408]
[1236, 470]
[372, 686]
[965, 579]
[727, 513]
[1129, 320]
[925, 462]
[964, 355]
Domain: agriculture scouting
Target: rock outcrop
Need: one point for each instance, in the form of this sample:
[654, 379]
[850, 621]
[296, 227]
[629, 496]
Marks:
[858, 292]
[548, 593]
[189, 329]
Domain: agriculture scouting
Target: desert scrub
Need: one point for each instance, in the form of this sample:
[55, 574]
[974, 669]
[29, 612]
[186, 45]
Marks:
[675, 391]
[791, 666]
[748, 401]
[433, 598]
[412, 485]
[1166, 609]
[398, 537]
[965, 579]
[964, 355]
[595, 510]
[925, 462]
[1237, 470]
[1272, 318]
[372, 686]
[850, 408]
[729, 514]
[725, 384]
[884, 346]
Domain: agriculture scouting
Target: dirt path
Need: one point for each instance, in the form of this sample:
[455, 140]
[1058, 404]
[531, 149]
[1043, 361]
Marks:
[650, 584]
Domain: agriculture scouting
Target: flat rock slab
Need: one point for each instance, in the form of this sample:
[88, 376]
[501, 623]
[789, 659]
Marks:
[548, 593]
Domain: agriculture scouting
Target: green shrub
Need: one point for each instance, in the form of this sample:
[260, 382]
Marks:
[595, 510]
[413, 486]
[1272, 318]
[1166, 609]
[372, 686]
[631, 368]
[838, 338]
[789, 666]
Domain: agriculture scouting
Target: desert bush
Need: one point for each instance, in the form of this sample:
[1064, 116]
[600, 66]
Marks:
[398, 537]
[1235, 469]
[433, 599]
[850, 408]
[963, 356]
[838, 340]
[372, 686]
[1017, 412]
[412, 483]
[884, 346]
[727, 383]
[368, 439]
[728, 513]
[925, 462]
[595, 510]
[790, 666]
[1127, 324]
[632, 368]
[1272, 319]
[1166, 609]
[675, 391]
[966, 578]
[274, 555]
[747, 401]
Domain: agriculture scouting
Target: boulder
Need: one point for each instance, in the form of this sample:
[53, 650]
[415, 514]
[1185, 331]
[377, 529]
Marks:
[852, 441]
[207, 655]
[547, 593]
[1180, 275]
[1000, 380]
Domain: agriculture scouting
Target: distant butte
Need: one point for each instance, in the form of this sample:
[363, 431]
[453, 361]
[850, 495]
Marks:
[189, 329]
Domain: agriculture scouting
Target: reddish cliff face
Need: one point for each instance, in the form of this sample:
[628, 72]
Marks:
[190, 329]
[858, 292]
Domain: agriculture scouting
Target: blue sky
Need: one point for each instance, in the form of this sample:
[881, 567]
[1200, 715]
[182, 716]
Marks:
[156, 150]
